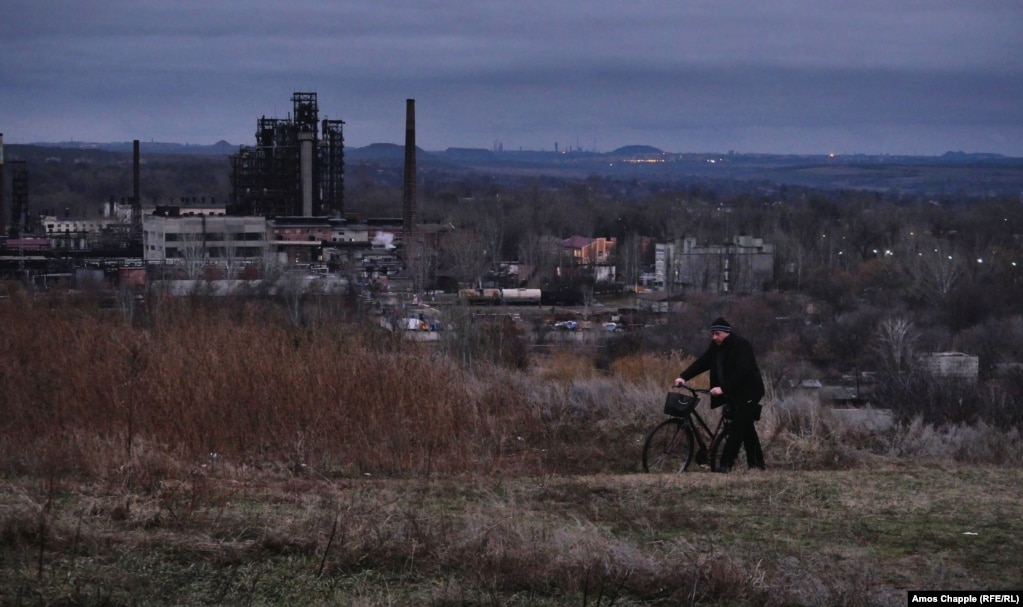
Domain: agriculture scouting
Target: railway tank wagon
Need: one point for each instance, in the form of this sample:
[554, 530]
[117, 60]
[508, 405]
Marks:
[495, 297]
[511, 297]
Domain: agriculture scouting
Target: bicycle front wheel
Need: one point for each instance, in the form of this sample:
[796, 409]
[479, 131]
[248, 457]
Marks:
[669, 447]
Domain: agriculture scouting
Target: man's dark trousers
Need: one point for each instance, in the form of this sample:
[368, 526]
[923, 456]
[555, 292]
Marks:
[742, 434]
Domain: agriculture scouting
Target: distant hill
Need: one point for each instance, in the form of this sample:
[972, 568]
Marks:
[953, 173]
[220, 148]
[636, 150]
[968, 157]
[376, 151]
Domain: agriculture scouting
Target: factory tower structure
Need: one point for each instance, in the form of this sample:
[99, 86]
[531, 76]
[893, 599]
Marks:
[2, 183]
[296, 168]
[409, 211]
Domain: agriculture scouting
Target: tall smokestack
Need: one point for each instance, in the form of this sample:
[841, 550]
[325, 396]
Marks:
[136, 197]
[2, 224]
[306, 144]
[409, 217]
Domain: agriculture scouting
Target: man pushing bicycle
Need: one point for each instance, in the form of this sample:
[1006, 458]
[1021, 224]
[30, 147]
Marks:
[736, 383]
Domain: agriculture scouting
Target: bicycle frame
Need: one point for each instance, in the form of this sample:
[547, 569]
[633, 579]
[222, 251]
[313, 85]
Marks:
[701, 429]
[704, 437]
[685, 435]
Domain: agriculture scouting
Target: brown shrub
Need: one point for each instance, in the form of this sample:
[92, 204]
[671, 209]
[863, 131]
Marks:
[222, 388]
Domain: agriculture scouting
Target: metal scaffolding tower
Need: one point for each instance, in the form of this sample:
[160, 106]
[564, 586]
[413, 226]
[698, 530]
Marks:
[332, 169]
[293, 170]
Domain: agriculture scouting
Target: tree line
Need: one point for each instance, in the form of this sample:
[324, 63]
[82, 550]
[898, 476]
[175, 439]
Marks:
[863, 279]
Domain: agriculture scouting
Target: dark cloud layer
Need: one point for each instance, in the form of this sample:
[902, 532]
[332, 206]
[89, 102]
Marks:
[918, 76]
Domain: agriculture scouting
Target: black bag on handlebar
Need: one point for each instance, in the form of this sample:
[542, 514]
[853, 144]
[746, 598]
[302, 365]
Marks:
[677, 405]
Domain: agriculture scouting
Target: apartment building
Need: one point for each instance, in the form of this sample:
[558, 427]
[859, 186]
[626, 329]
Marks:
[745, 265]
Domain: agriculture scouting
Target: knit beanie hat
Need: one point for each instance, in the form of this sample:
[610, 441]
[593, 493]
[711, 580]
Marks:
[720, 324]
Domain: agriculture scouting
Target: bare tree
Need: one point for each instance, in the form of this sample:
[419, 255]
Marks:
[192, 249]
[492, 233]
[937, 274]
[231, 259]
[292, 289]
[535, 250]
[466, 256]
[629, 262]
[273, 267]
[893, 343]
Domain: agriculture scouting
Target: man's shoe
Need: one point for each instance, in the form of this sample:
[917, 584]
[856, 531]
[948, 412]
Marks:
[723, 469]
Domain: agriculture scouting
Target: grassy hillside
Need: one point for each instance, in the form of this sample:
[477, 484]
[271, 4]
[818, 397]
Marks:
[195, 453]
[784, 537]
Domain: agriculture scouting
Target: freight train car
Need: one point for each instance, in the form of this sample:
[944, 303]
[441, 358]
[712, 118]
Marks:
[480, 297]
[506, 297]
[520, 296]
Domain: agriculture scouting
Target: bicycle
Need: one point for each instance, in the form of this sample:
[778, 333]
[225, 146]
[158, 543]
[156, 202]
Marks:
[671, 445]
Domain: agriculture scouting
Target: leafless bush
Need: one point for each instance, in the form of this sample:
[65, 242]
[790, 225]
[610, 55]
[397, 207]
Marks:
[231, 390]
[976, 444]
[799, 432]
[476, 342]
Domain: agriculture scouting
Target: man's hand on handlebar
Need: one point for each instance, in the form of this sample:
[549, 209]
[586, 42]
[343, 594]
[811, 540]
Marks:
[715, 391]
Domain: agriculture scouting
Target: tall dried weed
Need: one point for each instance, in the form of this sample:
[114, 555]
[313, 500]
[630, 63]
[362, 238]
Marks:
[238, 388]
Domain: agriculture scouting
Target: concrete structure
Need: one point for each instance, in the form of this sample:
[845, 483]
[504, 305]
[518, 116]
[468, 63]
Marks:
[2, 185]
[300, 239]
[409, 207]
[955, 365]
[199, 239]
[745, 265]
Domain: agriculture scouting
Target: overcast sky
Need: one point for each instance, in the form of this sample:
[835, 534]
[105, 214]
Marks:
[788, 76]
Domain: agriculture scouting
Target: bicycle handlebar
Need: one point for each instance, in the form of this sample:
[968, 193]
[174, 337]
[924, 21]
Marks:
[694, 391]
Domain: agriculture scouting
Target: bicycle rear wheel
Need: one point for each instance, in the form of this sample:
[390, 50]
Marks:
[717, 446]
[669, 447]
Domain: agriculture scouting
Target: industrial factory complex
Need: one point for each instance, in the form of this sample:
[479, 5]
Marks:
[286, 211]
[286, 216]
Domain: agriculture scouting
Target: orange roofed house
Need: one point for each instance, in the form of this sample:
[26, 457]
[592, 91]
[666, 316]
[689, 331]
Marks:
[595, 255]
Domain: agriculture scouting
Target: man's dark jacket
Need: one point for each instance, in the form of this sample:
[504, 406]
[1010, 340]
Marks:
[737, 374]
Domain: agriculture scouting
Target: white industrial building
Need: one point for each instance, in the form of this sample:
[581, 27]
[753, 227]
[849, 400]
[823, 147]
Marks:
[203, 237]
[745, 265]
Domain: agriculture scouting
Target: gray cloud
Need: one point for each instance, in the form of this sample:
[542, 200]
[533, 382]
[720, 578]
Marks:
[797, 76]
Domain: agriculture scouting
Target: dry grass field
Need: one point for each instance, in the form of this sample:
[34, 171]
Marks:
[218, 454]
